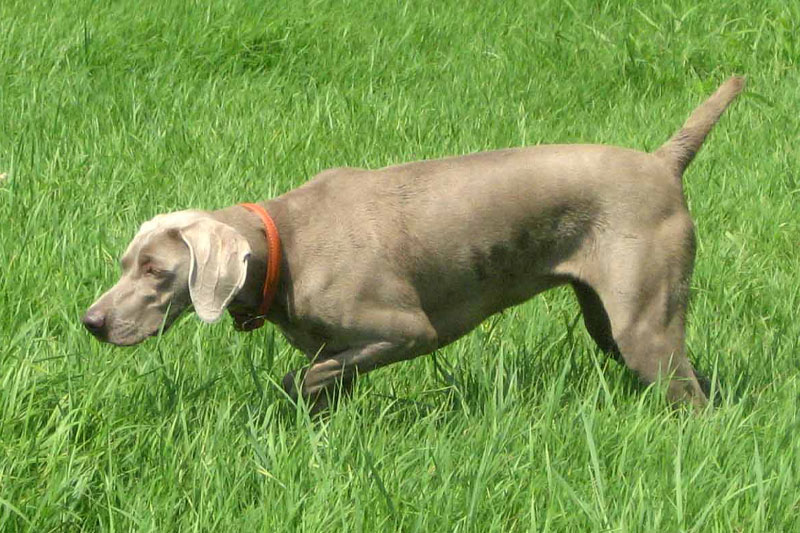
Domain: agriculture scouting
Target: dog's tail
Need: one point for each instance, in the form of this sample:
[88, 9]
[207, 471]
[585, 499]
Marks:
[682, 147]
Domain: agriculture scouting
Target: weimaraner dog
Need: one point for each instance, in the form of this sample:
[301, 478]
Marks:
[371, 267]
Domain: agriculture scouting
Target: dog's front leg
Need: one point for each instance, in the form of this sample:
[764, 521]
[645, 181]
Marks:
[324, 381]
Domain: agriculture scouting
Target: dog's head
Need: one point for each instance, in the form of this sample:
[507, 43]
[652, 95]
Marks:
[175, 261]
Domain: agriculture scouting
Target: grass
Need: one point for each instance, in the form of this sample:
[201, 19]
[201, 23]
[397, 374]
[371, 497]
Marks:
[111, 113]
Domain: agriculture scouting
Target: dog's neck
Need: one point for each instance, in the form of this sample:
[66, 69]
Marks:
[250, 226]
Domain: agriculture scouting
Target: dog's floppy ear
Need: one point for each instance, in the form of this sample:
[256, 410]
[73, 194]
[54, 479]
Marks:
[218, 265]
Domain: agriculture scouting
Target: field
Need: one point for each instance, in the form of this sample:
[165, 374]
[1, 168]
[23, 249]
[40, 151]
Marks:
[112, 112]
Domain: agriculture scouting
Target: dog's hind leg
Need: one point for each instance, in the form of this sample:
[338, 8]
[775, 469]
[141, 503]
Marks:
[635, 304]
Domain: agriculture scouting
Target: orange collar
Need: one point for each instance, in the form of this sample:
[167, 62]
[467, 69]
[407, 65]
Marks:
[273, 270]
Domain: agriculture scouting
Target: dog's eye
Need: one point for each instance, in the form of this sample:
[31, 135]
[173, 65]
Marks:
[149, 270]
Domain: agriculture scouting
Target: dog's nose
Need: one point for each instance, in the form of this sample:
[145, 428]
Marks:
[94, 320]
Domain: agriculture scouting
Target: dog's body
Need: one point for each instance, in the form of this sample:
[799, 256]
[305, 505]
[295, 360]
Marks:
[385, 265]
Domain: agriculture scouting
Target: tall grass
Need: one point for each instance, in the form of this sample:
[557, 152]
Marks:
[112, 112]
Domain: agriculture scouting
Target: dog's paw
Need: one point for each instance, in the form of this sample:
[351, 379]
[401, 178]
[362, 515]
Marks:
[319, 401]
[290, 385]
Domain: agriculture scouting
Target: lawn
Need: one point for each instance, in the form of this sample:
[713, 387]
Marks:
[112, 112]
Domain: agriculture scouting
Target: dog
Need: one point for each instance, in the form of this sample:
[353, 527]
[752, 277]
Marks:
[363, 268]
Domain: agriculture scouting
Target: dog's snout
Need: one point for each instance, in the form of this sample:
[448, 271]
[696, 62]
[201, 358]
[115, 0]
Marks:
[94, 320]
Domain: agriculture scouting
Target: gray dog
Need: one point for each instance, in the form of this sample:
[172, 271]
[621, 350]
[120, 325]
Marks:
[370, 267]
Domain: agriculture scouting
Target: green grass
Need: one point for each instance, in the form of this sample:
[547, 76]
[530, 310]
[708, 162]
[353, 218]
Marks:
[112, 112]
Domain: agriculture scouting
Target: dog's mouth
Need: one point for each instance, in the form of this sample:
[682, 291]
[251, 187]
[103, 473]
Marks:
[122, 332]
[130, 338]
